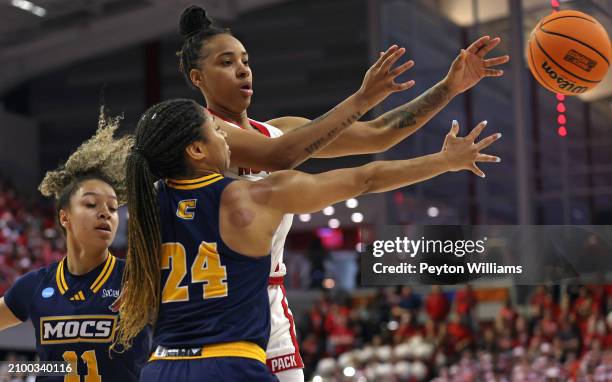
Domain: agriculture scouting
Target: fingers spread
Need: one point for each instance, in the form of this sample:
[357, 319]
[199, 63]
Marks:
[384, 56]
[487, 141]
[487, 158]
[392, 59]
[476, 45]
[476, 131]
[496, 61]
[403, 86]
[489, 46]
[402, 68]
[454, 128]
[476, 170]
[493, 73]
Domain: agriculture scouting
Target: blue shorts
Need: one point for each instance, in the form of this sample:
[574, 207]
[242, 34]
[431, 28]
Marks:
[226, 369]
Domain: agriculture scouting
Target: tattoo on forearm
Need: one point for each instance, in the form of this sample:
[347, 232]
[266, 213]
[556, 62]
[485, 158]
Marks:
[319, 119]
[350, 120]
[421, 108]
[405, 118]
[320, 142]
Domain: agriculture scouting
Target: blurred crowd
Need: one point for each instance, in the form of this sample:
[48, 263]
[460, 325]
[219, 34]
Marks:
[559, 334]
[29, 237]
[397, 335]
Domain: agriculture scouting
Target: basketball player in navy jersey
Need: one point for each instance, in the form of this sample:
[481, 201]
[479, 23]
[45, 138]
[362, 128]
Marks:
[68, 302]
[199, 243]
[217, 64]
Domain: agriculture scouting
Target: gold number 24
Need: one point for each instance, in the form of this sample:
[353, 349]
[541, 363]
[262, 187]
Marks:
[206, 268]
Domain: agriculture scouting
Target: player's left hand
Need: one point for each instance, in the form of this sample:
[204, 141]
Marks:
[471, 66]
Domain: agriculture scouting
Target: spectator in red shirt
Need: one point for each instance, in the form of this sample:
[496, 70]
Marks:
[584, 304]
[537, 300]
[437, 305]
[434, 333]
[507, 314]
[341, 336]
[335, 312]
[549, 326]
[551, 305]
[407, 328]
[458, 335]
[465, 305]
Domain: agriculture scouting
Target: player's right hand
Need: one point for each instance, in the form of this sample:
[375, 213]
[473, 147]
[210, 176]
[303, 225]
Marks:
[379, 81]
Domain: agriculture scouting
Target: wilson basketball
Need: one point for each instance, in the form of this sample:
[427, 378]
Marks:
[569, 52]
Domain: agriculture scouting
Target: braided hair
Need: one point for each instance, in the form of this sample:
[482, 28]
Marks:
[162, 134]
[196, 28]
[101, 157]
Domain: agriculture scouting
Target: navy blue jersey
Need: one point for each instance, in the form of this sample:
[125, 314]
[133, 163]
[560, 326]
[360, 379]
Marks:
[73, 322]
[210, 293]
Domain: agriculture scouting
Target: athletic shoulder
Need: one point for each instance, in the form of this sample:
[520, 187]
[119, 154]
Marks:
[19, 296]
[34, 277]
[286, 124]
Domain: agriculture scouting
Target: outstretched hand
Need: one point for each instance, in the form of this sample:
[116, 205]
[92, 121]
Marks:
[471, 66]
[462, 153]
[379, 81]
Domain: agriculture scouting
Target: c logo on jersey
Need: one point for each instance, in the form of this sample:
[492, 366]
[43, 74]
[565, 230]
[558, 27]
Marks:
[185, 209]
[71, 329]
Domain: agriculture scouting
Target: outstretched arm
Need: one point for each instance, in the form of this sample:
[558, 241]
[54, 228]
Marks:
[301, 193]
[389, 129]
[251, 211]
[253, 150]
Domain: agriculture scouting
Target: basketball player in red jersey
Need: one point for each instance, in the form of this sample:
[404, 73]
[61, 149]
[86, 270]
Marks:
[216, 63]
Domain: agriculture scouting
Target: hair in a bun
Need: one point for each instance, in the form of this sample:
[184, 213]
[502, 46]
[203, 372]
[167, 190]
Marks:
[193, 20]
[196, 28]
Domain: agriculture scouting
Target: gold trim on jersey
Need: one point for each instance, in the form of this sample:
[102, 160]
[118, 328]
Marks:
[191, 184]
[243, 349]
[104, 275]
[59, 277]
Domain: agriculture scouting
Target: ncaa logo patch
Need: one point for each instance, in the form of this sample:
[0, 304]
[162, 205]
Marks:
[47, 292]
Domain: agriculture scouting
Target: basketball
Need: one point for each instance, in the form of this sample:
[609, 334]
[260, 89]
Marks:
[569, 52]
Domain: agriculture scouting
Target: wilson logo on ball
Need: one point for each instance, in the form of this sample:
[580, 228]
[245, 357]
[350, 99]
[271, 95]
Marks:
[562, 83]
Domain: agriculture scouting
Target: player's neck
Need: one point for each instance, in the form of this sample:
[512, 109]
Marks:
[82, 261]
[240, 119]
[197, 173]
